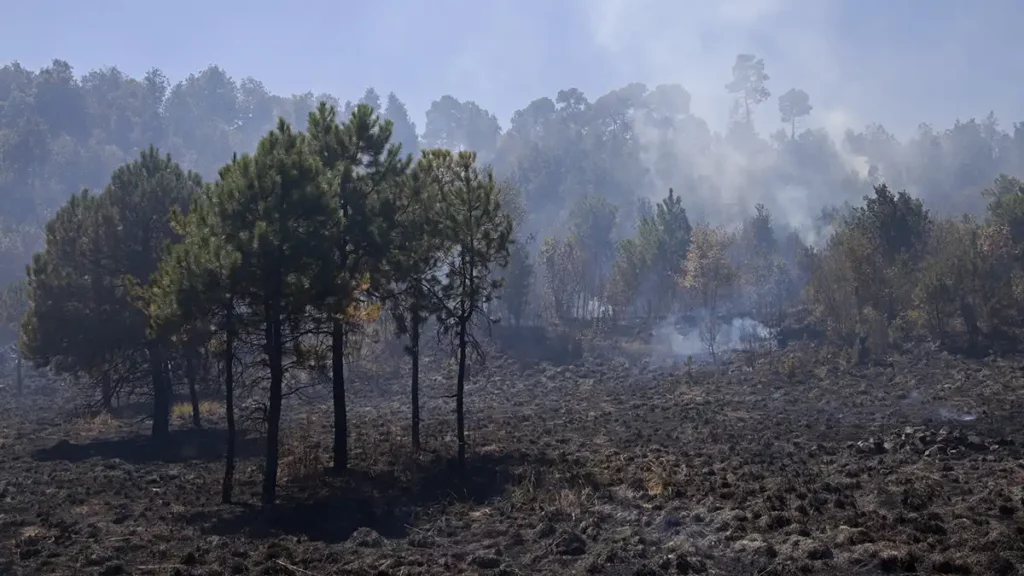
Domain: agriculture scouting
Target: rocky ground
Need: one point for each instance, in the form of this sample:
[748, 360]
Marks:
[798, 464]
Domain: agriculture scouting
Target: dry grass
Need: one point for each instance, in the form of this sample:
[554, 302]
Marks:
[302, 454]
[102, 424]
[182, 411]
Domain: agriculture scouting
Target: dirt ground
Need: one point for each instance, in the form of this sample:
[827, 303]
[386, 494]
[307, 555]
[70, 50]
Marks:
[799, 465]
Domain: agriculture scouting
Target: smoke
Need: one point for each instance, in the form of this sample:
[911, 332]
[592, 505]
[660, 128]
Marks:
[694, 45]
[854, 67]
[674, 340]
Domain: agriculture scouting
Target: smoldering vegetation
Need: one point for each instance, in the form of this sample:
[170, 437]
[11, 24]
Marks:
[609, 340]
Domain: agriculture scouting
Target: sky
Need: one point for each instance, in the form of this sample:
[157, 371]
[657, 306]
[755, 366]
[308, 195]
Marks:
[898, 63]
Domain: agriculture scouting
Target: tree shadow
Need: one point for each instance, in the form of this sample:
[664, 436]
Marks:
[530, 345]
[385, 502]
[998, 341]
[205, 445]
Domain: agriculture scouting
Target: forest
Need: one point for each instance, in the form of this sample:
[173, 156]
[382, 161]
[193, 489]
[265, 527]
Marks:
[207, 243]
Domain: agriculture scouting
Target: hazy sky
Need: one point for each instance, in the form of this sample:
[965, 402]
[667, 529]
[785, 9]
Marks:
[898, 62]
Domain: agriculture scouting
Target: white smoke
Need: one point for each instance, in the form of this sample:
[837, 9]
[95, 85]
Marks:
[674, 342]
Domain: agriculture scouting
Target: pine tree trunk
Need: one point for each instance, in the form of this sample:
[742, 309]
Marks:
[792, 130]
[193, 392]
[275, 357]
[460, 417]
[338, 389]
[414, 353]
[161, 396]
[229, 409]
[19, 378]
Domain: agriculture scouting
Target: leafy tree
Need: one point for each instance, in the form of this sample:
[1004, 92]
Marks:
[748, 83]
[1006, 205]
[766, 274]
[757, 234]
[592, 225]
[709, 276]
[460, 125]
[563, 270]
[70, 326]
[793, 105]
[372, 99]
[478, 232]
[137, 230]
[898, 223]
[628, 272]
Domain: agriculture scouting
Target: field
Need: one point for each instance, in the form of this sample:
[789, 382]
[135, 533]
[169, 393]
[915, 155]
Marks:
[796, 465]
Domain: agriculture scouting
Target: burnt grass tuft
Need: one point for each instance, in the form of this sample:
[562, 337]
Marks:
[793, 464]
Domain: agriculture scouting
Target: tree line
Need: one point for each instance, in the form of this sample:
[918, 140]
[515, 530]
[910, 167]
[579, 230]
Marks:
[60, 133]
[890, 274]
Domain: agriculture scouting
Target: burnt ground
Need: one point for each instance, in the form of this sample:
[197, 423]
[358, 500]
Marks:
[800, 465]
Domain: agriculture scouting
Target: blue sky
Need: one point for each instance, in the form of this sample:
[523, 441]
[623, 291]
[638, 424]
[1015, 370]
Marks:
[897, 62]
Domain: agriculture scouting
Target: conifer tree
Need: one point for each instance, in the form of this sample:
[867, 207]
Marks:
[477, 233]
[195, 291]
[278, 218]
[414, 265]
[101, 253]
[69, 326]
[135, 225]
[361, 171]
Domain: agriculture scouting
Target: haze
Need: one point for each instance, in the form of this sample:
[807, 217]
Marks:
[895, 63]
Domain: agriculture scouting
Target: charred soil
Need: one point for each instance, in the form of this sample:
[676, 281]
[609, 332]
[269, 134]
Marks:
[796, 464]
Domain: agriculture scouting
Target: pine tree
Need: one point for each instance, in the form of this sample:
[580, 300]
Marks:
[793, 105]
[195, 291]
[477, 232]
[101, 252]
[135, 224]
[748, 83]
[404, 131]
[414, 266]
[361, 171]
[70, 325]
[278, 218]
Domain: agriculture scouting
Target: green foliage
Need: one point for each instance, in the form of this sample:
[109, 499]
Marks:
[101, 252]
[646, 270]
[1006, 205]
[518, 280]
[896, 224]
[362, 170]
[415, 263]
[477, 233]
